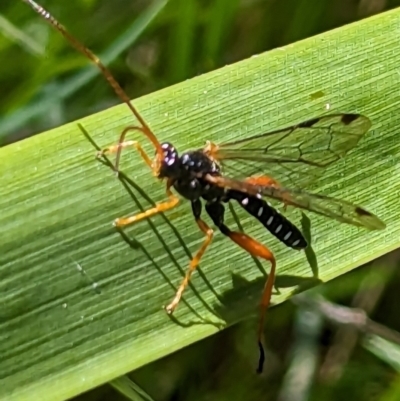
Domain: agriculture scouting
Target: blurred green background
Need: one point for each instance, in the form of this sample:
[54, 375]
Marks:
[153, 44]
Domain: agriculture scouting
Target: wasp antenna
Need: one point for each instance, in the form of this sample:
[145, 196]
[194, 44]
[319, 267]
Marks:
[104, 70]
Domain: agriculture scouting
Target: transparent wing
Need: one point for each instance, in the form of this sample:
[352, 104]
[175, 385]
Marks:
[296, 155]
[338, 209]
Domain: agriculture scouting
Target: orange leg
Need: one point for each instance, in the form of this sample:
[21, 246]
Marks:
[159, 208]
[256, 249]
[193, 265]
[216, 212]
[125, 144]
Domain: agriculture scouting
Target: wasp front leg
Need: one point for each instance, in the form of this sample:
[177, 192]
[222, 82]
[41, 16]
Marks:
[122, 144]
[159, 208]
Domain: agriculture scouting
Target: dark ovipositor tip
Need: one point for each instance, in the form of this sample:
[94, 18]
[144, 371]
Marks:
[261, 359]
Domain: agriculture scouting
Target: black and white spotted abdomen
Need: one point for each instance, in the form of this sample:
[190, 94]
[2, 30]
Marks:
[273, 221]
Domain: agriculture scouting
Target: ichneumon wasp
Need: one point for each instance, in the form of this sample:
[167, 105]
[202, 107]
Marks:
[217, 174]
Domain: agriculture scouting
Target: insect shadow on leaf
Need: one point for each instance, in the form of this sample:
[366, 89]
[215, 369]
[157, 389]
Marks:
[129, 184]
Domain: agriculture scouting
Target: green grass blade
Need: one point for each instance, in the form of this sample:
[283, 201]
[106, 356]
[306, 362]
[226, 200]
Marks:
[130, 389]
[385, 350]
[15, 34]
[59, 334]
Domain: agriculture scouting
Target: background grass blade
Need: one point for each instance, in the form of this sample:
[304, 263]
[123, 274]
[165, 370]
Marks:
[384, 350]
[14, 33]
[182, 42]
[62, 92]
[60, 334]
[130, 389]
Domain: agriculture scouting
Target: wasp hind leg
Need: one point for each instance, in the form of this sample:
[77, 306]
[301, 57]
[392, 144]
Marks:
[196, 208]
[216, 211]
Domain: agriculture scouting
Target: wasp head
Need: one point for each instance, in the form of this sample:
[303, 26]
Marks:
[167, 165]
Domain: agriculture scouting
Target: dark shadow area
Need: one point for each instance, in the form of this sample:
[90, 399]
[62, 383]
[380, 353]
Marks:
[233, 304]
[134, 244]
[301, 283]
[305, 223]
[317, 95]
[287, 281]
